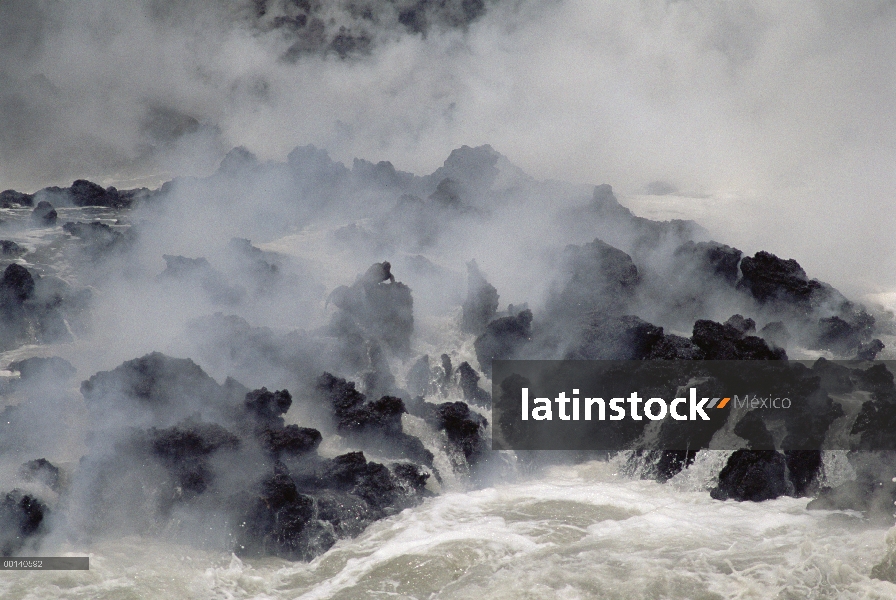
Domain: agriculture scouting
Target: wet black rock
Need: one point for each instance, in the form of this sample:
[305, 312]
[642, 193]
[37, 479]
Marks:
[770, 279]
[172, 389]
[291, 440]
[712, 257]
[675, 347]
[598, 277]
[14, 199]
[481, 304]
[281, 523]
[464, 428]
[22, 518]
[803, 467]
[191, 440]
[846, 334]
[386, 491]
[11, 249]
[100, 238]
[671, 462]
[16, 286]
[743, 325]
[875, 423]
[268, 407]
[376, 424]
[752, 428]
[502, 339]
[378, 307]
[752, 475]
[35, 309]
[607, 337]
[44, 214]
[184, 449]
[726, 342]
[87, 193]
[300, 517]
[469, 385]
[43, 471]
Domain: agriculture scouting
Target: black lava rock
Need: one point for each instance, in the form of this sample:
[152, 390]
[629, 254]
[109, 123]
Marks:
[771, 279]
[44, 214]
[376, 424]
[463, 427]
[502, 339]
[268, 406]
[712, 257]
[469, 385]
[379, 310]
[726, 342]
[599, 278]
[11, 249]
[99, 239]
[291, 439]
[87, 193]
[752, 475]
[21, 519]
[607, 337]
[173, 389]
[16, 286]
[281, 523]
[14, 199]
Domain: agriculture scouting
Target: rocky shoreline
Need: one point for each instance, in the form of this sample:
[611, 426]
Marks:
[168, 443]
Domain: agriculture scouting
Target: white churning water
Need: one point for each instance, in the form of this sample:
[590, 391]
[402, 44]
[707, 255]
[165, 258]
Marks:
[572, 532]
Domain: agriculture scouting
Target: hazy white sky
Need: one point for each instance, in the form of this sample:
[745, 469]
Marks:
[781, 117]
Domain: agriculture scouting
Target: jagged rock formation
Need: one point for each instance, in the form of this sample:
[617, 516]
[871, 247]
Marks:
[22, 518]
[353, 28]
[100, 239]
[44, 215]
[753, 475]
[373, 309]
[376, 424]
[170, 440]
[86, 193]
[599, 277]
[711, 257]
[293, 503]
[10, 249]
[34, 308]
[728, 342]
[503, 338]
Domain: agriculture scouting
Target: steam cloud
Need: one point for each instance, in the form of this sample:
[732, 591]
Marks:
[747, 109]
